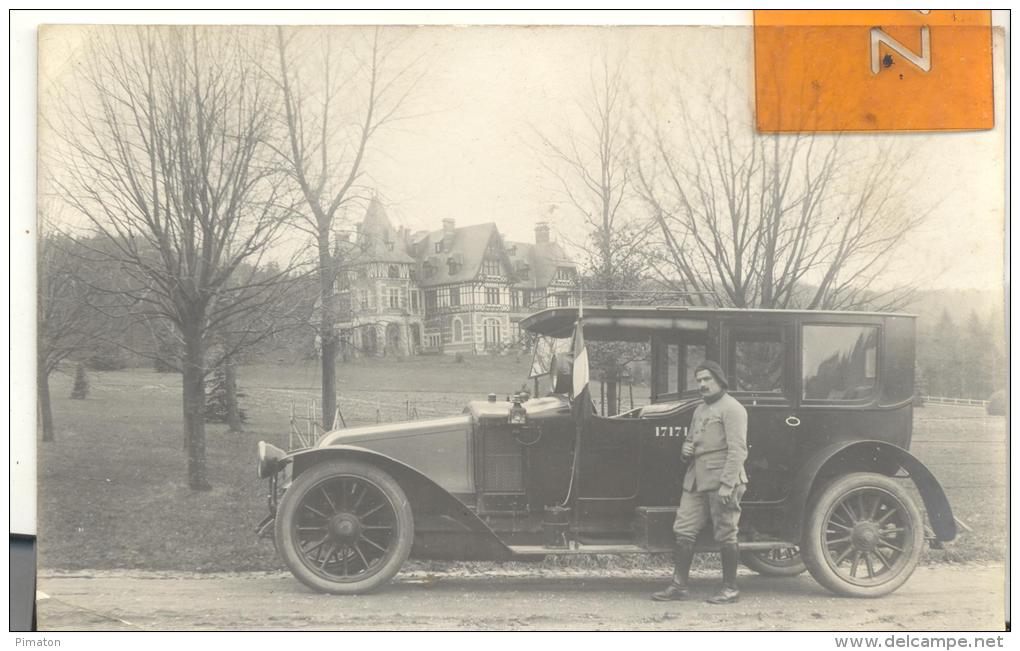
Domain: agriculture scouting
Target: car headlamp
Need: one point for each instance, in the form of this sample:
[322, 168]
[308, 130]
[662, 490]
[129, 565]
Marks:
[518, 414]
[268, 460]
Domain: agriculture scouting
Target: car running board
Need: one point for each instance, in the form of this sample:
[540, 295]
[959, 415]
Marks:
[576, 548]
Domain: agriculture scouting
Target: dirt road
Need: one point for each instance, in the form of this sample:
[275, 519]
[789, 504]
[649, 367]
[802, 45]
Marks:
[936, 598]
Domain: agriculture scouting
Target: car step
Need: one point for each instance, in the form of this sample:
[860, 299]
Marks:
[575, 548]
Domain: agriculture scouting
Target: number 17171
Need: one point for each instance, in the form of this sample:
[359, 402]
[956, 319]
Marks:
[670, 431]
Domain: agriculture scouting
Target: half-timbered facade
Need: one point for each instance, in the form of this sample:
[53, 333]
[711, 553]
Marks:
[451, 290]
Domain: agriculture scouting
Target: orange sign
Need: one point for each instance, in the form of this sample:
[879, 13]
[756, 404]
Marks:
[874, 70]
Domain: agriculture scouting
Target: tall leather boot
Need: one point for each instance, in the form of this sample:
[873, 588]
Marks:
[683, 556]
[729, 554]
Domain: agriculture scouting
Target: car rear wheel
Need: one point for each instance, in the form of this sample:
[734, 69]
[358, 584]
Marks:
[344, 527]
[784, 561]
[864, 536]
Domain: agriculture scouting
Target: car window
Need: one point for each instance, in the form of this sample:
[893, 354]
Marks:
[672, 367]
[693, 356]
[840, 362]
[757, 359]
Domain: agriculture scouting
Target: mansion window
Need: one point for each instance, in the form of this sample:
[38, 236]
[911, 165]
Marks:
[414, 300]
[394, 297]
[491, 267]
[393, 271]
[454, 296]
[458, 331]
[430, 299]
[515, 297]
[562, 300]
[492, 295]
[439, 247]
[491, 333]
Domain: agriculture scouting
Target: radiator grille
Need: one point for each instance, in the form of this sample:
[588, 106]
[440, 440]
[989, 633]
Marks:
[503, 462]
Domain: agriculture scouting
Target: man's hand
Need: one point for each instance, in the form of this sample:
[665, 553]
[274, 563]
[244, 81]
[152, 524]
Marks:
[687, 451]
[726, 494]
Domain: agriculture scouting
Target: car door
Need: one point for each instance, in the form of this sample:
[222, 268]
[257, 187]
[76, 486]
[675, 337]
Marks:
[760, 364]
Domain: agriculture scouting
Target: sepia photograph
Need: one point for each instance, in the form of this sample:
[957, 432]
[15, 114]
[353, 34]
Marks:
[401, 321]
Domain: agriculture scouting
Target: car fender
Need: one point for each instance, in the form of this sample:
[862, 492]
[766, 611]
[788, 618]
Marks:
[869, 456]
[434, 508]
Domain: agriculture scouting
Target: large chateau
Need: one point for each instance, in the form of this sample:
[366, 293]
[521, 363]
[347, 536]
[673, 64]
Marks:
[451, 290]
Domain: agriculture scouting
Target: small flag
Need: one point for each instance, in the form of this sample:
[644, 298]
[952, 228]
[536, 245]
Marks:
[580, 371]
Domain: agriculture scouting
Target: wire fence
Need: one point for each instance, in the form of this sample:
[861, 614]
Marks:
[940, 400]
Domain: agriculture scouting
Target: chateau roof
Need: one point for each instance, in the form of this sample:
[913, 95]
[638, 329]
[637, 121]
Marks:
[380, 242]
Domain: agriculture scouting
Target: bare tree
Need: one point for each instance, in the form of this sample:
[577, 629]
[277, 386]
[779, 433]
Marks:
[592, 167]
[68, 323]
[337, 94]
[163, 152]
[799, 220]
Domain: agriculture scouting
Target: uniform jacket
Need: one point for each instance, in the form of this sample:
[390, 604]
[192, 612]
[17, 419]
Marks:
[719, 434]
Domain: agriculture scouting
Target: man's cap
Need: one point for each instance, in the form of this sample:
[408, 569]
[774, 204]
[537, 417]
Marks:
[713, 367]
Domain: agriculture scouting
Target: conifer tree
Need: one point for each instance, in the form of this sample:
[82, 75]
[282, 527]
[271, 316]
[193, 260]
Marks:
[81, 383]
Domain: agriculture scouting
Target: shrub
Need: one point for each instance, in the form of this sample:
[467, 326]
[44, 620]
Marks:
[81, 383]
[216, 398]
[998, 403]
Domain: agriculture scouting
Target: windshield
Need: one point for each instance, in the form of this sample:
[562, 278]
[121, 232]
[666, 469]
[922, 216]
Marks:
[546, 348]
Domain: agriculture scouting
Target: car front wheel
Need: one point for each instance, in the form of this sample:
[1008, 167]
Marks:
[784, 561]
[864, 536]
[344, 527]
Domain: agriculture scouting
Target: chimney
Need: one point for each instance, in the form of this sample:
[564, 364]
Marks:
[542, 233]
[448, 228]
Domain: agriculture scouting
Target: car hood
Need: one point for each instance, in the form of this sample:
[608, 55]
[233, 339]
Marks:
[389, 431]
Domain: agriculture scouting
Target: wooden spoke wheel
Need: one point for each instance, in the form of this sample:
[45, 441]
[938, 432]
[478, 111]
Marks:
[783, 561]
[344, 527]
[864, 536]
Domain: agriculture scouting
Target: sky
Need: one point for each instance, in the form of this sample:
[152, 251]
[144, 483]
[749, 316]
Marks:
[467, 148]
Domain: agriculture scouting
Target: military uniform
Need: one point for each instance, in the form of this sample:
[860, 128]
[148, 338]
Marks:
[718, 434]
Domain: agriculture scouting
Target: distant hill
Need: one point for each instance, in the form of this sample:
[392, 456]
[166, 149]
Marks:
[929, 305]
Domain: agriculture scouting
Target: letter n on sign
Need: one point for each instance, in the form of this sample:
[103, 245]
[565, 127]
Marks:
[874, 70]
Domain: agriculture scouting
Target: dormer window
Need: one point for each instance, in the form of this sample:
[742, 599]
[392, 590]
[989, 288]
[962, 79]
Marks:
[491, 267]
[393, 271]
[439, 247]
[565, 274]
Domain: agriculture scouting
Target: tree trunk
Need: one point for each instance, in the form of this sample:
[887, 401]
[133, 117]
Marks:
[327, 329]
[194, 408]
[45, 410]
[233, 413]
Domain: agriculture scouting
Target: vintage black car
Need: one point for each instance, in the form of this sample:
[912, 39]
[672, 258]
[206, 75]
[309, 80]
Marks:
[829, 401]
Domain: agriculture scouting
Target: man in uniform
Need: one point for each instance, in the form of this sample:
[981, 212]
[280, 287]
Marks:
[713, 485]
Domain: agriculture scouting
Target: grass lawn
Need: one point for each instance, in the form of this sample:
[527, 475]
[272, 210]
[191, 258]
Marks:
[112, 490]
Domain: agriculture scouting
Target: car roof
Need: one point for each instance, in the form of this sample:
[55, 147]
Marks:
[610, 322]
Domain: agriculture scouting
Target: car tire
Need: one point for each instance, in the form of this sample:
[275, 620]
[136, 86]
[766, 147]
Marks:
[785, 561]
[864, 535]
[344, 527]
